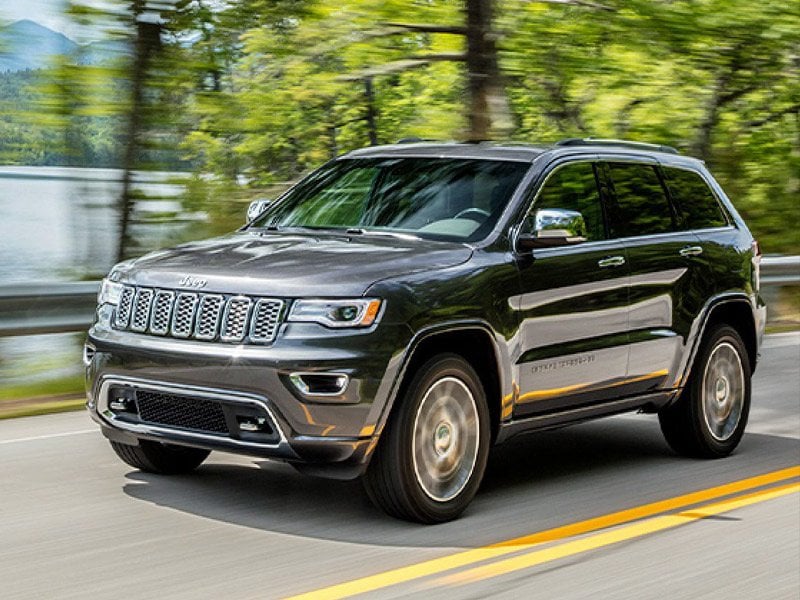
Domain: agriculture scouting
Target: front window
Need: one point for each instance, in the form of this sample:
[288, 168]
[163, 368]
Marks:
[439, 198]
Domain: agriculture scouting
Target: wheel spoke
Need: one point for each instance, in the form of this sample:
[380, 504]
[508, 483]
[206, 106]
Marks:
[723, 391]
[445, 442]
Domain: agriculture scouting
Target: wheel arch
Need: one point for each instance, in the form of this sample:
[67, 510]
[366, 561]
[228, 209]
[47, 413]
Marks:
[736, 311]
[475, 343]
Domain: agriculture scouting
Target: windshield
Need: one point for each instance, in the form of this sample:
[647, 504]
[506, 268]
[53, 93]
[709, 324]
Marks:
[445, 198]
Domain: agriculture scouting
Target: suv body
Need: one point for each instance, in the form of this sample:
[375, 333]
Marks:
[586, 283]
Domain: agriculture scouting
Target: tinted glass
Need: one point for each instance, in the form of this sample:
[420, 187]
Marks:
[698, 205]
[430, 197]
[641, 206]
[573, 187]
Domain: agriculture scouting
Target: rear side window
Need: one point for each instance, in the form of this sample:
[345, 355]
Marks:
[698, 204]
[640, 204]
[574, 187]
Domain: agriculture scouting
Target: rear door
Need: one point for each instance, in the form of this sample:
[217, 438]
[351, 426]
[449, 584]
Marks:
[662, 283]
[573, 342]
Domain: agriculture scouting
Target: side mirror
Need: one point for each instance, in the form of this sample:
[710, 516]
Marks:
[554, 227]
[256, 208]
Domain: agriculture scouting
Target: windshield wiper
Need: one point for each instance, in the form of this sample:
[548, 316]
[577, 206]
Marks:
[394, 234]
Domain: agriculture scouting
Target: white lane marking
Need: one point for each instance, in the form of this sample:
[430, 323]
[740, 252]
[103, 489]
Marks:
[45, 437]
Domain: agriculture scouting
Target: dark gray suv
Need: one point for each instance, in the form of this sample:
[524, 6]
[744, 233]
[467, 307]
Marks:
[405, 307]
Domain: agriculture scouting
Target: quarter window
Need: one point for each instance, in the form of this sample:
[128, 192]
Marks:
[641, 206]
[698, 204]
[573, 187]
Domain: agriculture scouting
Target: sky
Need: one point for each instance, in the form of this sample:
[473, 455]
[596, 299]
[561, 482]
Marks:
[49, 13]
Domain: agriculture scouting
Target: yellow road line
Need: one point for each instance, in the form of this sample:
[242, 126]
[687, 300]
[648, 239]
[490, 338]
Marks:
[615, 536]
[469, 557]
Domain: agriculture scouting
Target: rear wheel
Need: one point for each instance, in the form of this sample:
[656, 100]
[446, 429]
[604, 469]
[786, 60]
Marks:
[155, 457]
[710, 417]
[432, 453]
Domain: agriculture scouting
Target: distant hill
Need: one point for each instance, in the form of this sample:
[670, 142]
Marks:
[28, 45]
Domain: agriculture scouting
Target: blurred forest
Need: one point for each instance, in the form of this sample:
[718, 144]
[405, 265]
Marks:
[250, 95]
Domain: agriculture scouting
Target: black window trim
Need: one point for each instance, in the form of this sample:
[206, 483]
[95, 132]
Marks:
[538, 183]
[721, 205]
[532, 195]
[656, 166]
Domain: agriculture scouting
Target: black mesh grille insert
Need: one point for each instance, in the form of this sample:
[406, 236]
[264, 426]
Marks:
[181, 411]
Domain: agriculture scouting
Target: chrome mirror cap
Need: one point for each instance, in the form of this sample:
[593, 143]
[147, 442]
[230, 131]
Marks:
[554, 227]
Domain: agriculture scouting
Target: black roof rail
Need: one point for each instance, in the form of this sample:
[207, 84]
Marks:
[622, 143]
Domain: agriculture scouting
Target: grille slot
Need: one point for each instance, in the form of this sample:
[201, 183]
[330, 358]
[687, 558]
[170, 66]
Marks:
[265, 320]
[183, 315]
[181, 411]
[234, 324]
[162, 310]
[207, 317]
[123, 316]
[141, 309]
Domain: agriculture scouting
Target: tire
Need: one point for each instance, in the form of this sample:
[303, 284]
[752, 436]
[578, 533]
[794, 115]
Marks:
[164, 459]
[432, 454]
[709, 418]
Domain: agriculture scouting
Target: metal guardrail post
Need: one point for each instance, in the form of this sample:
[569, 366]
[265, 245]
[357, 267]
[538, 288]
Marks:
[60, 307]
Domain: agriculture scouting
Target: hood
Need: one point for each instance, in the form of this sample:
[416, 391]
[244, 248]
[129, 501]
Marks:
[286, 266]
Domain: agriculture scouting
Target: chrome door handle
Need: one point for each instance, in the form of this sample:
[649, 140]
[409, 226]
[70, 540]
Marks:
[611, 261]
[691, 251]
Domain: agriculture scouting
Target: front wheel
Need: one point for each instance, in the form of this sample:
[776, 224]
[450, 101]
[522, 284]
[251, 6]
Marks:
[155, 457]
[432, 454]
[710, 417]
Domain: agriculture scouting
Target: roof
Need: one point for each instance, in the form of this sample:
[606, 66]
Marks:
[482, 150]
[520, 152]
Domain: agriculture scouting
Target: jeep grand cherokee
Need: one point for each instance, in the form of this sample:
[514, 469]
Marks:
[405, 307]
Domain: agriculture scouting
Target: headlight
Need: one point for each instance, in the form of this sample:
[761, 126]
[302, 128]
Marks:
[361, 312]
[110, 292]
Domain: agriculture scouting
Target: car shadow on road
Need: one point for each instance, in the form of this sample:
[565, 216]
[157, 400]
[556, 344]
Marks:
[532, 483]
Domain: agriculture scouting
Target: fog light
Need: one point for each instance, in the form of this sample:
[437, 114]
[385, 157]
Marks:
[320, 384]
[254, 424]
[122, 400]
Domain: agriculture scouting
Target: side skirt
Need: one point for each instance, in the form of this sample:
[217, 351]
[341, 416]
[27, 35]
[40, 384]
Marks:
[645, 403]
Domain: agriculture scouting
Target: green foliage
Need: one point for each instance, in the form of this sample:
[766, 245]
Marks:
[250, 95]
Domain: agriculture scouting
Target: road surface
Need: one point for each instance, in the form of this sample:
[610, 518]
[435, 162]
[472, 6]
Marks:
[608, 511]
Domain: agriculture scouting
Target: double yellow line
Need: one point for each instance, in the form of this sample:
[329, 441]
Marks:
[650, 518]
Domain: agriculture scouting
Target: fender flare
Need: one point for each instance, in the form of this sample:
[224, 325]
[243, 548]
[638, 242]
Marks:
[698, 330]
[413, 346]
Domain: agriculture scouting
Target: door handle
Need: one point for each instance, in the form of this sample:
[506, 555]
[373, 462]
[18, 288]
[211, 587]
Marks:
[691, 251]
[611, 261]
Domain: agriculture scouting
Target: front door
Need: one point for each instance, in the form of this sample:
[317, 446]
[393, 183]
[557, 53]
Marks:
[573, 307]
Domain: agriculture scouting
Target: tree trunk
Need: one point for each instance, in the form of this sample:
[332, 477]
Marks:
[488, 112]
[148, 37]
[369, 97]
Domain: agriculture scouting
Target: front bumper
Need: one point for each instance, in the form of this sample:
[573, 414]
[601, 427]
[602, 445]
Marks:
[330, 435]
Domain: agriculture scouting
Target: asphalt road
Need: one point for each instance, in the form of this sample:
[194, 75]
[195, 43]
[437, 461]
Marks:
[77, 523]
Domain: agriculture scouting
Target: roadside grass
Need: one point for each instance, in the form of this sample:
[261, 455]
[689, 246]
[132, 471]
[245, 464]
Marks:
[43, 407]
[54, 395]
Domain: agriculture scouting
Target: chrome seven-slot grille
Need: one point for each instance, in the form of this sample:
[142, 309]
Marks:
[209, 317]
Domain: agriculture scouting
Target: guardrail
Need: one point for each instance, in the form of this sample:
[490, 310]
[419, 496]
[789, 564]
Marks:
[58, 307]
[61, 307]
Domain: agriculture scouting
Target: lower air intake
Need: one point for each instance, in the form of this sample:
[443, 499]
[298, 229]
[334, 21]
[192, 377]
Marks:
[181, 411]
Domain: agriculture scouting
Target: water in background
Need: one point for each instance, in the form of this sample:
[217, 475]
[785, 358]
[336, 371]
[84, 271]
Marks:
[60, 224]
